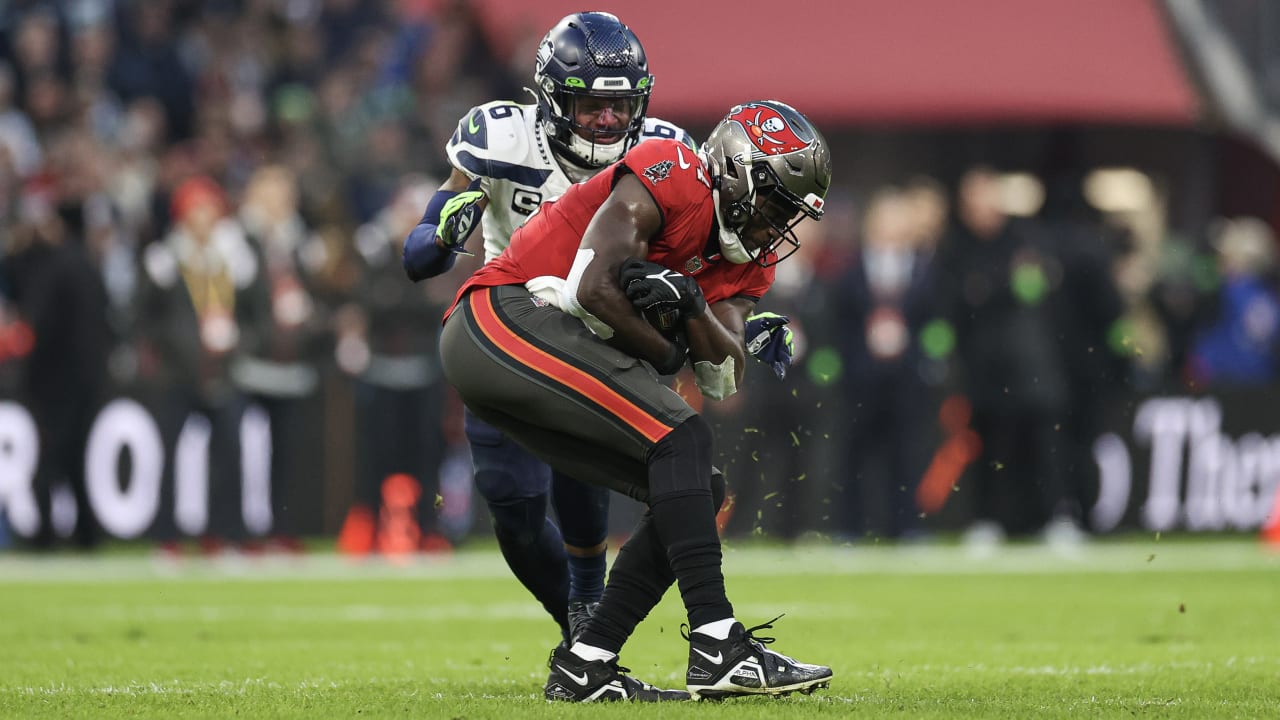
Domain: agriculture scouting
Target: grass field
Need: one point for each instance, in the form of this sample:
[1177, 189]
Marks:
[1142, 627]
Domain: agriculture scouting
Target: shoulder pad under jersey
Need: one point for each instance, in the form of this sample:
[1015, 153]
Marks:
[656, 128]
[494, 141]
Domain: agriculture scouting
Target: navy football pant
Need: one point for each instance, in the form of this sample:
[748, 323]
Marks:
[516, 486]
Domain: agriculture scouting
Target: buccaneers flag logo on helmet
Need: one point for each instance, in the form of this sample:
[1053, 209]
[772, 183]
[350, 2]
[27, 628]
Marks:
[768, 130]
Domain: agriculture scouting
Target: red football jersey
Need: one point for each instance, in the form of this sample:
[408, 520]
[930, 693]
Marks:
[679, 184]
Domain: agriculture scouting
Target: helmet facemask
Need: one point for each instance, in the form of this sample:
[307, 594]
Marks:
[766, 203]
[599, 147]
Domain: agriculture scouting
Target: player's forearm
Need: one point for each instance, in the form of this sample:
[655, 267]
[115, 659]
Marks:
[451, 215]
[632, 333]
[423, 257]
[710, 339]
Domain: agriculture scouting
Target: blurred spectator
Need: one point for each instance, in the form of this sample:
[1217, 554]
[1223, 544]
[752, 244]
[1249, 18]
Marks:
[36, 46]
[203, 305]
[999, 275]
[17, 135]
[1088, 316]
[387, 340]
[281, 375]
[57, 290]
[92, 48]
[147, 64]
[343, 22]
[884, 300]
[1180, 298]
[1239, 345]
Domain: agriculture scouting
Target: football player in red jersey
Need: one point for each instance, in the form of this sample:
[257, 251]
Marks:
[550, 343]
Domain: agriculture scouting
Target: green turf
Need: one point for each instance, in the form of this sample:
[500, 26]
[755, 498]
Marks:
[1136, 628]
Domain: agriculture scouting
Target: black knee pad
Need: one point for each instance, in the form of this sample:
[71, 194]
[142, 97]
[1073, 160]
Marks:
[504, 470]
[681, 462]
[519, 520]
[582, 510]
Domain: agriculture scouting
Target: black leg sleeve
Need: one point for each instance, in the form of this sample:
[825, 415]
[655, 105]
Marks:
[640, 577]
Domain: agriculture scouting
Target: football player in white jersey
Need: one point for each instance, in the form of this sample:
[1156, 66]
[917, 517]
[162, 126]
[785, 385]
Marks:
[593, 86]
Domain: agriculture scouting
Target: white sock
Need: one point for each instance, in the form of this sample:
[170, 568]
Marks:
[591, 652]
[718, 629]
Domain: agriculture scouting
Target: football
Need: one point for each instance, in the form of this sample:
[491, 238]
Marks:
[670, 324]
[666, 320]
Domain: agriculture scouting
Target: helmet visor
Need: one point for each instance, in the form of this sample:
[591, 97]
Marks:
[604, 118]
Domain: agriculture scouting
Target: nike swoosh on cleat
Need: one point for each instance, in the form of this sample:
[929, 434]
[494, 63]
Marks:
[472, 126]
[580, 680]
[717, 658]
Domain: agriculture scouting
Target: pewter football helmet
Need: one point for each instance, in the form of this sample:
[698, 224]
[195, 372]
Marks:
[766, 150]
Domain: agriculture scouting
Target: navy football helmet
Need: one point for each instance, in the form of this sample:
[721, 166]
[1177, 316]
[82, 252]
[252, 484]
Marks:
[591, 61]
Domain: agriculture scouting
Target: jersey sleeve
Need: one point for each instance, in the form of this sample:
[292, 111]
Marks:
[748, 280]
[655, 128]
[468, 147]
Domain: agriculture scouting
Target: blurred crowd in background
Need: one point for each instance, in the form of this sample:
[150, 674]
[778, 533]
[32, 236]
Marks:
[202, 204]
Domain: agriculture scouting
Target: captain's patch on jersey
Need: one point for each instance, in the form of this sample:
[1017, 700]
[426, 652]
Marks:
[659, 171]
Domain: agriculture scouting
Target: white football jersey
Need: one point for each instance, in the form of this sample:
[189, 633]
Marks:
[502, 144]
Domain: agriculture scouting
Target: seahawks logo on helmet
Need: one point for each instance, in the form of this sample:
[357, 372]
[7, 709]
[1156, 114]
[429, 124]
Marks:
[544, 54]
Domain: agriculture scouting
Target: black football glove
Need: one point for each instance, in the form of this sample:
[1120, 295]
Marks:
[652, 288]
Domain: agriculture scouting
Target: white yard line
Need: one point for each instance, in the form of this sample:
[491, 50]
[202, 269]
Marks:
[1100, 557]
[242, 687]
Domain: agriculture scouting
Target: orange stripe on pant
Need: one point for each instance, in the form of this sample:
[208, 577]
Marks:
[553, 367]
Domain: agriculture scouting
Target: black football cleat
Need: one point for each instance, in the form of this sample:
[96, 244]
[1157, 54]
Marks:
[580, 611]
[742, 665]
[573, 679]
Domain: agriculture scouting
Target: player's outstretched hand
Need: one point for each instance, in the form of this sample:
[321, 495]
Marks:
[653, 288]
[771, 341]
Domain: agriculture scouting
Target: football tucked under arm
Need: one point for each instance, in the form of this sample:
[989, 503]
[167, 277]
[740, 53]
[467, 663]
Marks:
[665, 299]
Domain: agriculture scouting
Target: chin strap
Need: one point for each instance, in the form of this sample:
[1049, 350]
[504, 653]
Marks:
[583, 153]
[730, 242]
[731, 247]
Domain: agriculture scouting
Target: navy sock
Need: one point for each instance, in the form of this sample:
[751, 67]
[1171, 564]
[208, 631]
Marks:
[583, 510]
[586, 577]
